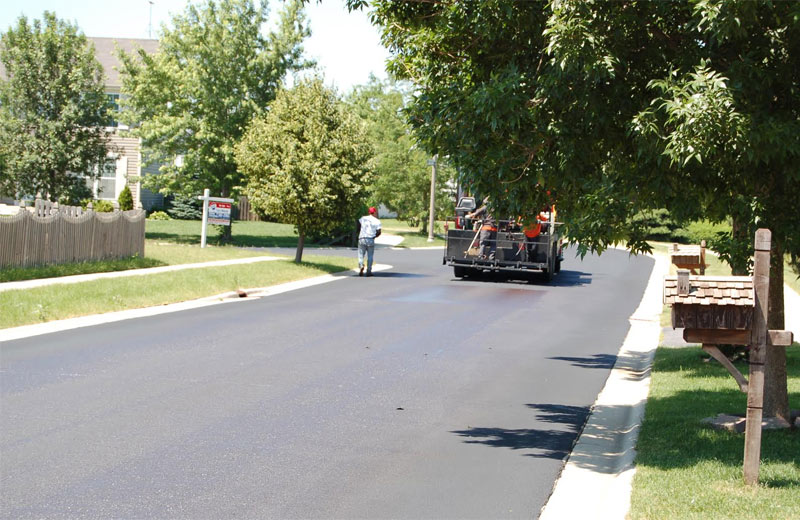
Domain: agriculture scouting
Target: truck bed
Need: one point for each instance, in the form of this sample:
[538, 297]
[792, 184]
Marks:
[513, 251]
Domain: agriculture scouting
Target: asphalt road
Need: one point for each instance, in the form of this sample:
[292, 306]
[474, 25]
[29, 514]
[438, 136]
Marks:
[410, 394]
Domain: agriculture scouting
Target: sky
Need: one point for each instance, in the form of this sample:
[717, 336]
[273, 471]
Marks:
[345, 45]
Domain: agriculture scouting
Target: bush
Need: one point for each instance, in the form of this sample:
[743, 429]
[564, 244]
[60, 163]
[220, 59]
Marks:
[158, 215]
[125, 199]
[705, 230]
[185, 207]
[659, 225]
[99, 206]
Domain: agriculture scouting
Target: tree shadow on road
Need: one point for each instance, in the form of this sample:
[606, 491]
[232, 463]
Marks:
[553, 443]
[605, 361]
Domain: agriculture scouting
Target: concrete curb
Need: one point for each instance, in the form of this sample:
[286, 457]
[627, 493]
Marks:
[596, 480]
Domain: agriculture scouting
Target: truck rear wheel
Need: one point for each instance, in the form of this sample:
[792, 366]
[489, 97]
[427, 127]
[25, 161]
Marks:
[459, 272]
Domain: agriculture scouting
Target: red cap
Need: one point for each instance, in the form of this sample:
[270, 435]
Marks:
[372, 210]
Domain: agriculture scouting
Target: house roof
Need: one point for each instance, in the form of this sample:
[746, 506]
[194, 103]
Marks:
[105, 50]
[711, 290]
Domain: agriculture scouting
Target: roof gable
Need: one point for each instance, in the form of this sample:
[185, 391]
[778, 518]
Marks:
[106, 48]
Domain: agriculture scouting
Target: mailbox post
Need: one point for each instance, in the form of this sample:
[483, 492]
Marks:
[715, 310]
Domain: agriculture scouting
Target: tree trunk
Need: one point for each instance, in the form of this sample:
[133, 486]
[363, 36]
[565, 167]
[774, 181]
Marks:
[301, 240]
[776, 394]
[739, 232]
[226, 236]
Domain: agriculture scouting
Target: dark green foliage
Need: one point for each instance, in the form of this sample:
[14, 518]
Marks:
[306, 161]
[125, 199]
[611, 108]
[185, 207]
[402, 180]
[52, 110]
[75, 194]
[214, 71]
[658, 225]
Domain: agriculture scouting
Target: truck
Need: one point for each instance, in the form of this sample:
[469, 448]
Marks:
[518, 251]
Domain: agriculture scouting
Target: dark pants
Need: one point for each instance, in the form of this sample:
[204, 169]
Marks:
[488, 243]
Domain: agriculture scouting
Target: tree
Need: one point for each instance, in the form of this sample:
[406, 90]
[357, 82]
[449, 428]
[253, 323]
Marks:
[191, 102]
[53, 111]
[306, 161]
[613, 108]
[731, 129]
[402, 180]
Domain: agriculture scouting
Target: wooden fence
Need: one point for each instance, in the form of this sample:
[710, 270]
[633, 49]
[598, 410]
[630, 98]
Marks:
[245, 211]
[63, 237]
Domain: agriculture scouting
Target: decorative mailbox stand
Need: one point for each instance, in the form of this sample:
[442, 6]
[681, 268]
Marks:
[716, 310]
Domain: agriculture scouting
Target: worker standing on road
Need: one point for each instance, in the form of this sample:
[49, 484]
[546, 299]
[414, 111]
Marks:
[488, 234]
[369, 228]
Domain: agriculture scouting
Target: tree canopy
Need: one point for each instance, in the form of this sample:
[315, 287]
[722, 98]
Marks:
[613, 108]
[402, 180]
[191, 102]
[53, 111]
[305, 161]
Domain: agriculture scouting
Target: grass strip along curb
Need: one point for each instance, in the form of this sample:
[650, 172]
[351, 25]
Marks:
[686, 469]
[53, 302]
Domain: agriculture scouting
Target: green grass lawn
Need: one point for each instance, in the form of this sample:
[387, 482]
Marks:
[243, 233]
[55, 302]
[688, 470]
[412, 236]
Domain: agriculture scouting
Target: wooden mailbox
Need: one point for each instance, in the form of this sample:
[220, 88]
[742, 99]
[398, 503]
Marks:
[689, 257]
[716, 310]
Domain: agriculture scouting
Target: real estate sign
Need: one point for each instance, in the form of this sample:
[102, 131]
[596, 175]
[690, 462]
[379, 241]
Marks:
[219, 213]
[216, 210]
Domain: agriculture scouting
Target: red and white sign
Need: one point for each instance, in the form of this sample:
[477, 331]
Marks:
[219, 213]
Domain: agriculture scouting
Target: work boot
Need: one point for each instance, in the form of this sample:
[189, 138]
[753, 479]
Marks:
[369, 273]
[361, 271]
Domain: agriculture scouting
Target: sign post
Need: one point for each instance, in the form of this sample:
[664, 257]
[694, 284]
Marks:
[216, 210]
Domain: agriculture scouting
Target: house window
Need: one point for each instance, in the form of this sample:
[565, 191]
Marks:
[113, 100]
[104, 187]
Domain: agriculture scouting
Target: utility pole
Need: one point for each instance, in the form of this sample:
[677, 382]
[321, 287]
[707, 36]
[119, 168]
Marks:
[431, 217]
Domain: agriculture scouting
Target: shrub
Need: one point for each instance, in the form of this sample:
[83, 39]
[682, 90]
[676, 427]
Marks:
[185, 207]
[158, 215]
[658, 225]
[99, 206]
[705, 230]
[125, 199]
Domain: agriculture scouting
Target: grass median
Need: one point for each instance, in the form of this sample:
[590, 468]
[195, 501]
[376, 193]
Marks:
[685, 469]
[55, 302]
